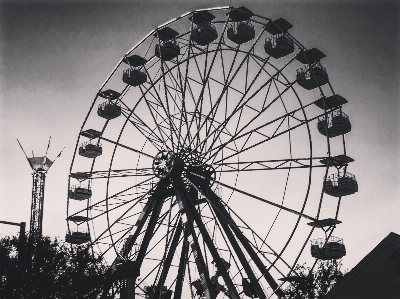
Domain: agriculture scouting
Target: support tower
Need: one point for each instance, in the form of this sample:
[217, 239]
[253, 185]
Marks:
[40, 166]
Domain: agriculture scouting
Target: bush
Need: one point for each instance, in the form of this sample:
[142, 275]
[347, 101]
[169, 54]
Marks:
[315, 284]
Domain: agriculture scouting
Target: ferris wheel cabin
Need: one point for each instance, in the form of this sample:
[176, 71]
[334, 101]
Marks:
[126, 269]
[150, 290]
[310, 78]
[91, 134]
[313, 75]
[167, 48]
[336, 123]
[340, 184]
[241, 31]
[332, 249]
[109, 110]
[90, 150]
[204, 33]
[77, 238]
[134, 76]
[310, 56]
[80, 192]
[279, 44]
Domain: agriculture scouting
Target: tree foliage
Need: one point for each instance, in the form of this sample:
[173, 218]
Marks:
[48, 269]
[315, 284]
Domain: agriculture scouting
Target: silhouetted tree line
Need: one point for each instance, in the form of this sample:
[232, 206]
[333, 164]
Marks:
[48, 268]
[315, 284]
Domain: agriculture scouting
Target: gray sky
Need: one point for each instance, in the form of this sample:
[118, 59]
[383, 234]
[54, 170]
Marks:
[55, 56]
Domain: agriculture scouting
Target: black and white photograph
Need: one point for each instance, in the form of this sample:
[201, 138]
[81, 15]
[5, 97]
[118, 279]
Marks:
[200, 149]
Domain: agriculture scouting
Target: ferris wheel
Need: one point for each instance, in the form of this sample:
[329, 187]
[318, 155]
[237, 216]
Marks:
[209, 159]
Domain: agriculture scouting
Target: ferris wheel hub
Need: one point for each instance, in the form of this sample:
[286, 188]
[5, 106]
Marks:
[188, 162]
[163, 163]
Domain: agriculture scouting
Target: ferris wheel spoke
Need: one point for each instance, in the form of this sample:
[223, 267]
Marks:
[183, 79]
[144, 130]
[197, 113]
[116, 205]
[275, 134]
[182, 107]
[291, 163]
[176, 90]
[126, 147]
[164, 132]
[265, 201]
[259, 113]
[226, 213]
[169, 247]
[167, 259]
[262, 68]
[140, 222]
[173, 128]
[148, 205]
[252, 248]
[263, 243]
[196, 99]
[139, 226]
[243, 103]
[221, 128]
[184, 117]
[104, 233]
[125, 251]
[229, 79]
[208, 130]
[218, 48]
[141, 125]
[148, 233]
[114, 233]
[166, 111]
[162, 129]
[102, 203]
[159, 224]
[232, 231]
[113, 173]
[226, 87]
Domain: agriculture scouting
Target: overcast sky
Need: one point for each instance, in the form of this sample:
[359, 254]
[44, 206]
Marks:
[54, 57]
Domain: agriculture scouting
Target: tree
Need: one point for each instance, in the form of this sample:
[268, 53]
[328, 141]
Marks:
[314, 284]
[49, 269]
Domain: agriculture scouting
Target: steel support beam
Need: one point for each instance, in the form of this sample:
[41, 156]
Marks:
[153, 204]
[168, 260]
[215, 201]
[243, 260]
[182, 267]
[191, 212]
[199, 260]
